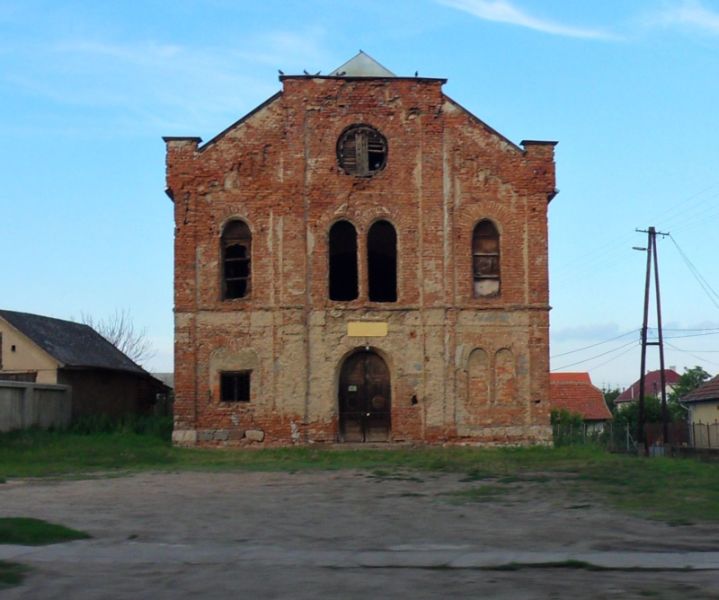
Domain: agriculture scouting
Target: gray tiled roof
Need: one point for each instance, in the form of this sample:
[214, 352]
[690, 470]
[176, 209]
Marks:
[72, 344]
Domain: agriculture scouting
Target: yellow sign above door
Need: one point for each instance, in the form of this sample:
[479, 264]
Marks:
[366, 329]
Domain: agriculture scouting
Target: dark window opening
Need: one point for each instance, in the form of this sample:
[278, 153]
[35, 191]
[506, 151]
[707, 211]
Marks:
[235, 386]
[485, 259]
[382, 262]
[236, 255]
[362, 151]
[343, 262]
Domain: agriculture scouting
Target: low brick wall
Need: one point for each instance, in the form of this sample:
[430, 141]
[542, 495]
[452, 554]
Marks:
[25, 405]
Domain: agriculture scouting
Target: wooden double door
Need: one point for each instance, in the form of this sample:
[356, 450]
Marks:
[365, 398]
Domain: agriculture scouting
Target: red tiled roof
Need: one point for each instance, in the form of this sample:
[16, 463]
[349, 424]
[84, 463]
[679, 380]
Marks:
[652, 385]
[575, 393]
[706, 391]
[575, 377]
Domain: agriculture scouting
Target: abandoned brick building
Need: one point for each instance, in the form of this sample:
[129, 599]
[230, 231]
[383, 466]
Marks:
[360, 259]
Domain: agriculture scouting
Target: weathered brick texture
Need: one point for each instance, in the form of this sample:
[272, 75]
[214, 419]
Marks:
[462, 368]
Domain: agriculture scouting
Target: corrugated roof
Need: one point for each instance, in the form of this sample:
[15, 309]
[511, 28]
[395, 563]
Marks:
[71, 344]
[574, 392]
[707, 391]
[362, 65]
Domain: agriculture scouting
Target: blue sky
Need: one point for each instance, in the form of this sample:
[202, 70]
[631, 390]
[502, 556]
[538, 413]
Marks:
[629, 88]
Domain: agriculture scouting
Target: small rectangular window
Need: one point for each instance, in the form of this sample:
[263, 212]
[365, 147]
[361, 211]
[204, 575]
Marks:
[235, 386]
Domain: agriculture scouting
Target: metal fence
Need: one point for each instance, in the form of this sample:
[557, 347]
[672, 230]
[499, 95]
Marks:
[618, 437]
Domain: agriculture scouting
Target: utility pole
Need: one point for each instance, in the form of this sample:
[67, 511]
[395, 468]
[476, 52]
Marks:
[651, 250]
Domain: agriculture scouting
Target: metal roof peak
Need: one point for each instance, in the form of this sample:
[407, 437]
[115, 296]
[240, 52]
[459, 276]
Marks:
[362, 65]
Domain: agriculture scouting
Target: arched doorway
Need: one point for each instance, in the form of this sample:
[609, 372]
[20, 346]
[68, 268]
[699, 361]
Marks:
[364, 398]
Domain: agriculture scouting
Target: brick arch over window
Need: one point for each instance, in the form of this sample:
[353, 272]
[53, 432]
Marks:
[382, 262]
[343, 281]
[236, 249]
[485, 260]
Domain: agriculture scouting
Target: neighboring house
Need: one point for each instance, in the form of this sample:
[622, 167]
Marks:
[103, 379]
[703, 414]
[703, 402]
[360, 258]
[652, 386]
[575, 393]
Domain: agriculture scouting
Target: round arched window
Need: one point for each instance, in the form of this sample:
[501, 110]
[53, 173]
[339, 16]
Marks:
[361, 151]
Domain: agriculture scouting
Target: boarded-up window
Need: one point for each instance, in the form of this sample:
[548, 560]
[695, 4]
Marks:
[485, 259]
[361, 150]
[235, 386]
[343, 261]
[236, 260]
[382, 262]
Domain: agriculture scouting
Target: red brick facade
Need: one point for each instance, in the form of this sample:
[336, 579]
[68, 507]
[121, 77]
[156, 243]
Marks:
[461, 368]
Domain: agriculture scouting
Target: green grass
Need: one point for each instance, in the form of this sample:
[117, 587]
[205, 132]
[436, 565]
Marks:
[11, 573]
[680, 491]
[35, 532]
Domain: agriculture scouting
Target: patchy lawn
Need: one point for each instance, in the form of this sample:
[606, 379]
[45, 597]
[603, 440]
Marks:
[35, 532]
[676, 490]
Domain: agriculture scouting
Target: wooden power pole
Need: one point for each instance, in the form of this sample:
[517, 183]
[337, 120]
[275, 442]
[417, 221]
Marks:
[651, 250]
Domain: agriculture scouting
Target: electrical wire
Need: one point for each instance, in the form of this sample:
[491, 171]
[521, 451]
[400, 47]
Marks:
[606, 362]
[673, 347]
[594, 345]
[710, 292]
[579, 362]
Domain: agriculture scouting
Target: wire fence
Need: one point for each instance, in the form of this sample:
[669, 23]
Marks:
[621, 437]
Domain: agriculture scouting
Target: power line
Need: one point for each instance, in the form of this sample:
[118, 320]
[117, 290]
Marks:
[579, 362]
[712, 329]
[594, 345]
[694, 355]
[710, 292]
[676, 337]
[606, 362]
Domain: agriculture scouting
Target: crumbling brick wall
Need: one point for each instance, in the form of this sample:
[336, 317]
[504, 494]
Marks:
[462, 368]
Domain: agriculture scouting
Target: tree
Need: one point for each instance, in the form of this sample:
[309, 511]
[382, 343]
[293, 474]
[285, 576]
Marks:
[562, 417]
[652, 412]
[610, 395]
[690, 380]
[119, 330]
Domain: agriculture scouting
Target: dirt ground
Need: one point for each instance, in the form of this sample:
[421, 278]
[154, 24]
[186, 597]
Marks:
[338, 535]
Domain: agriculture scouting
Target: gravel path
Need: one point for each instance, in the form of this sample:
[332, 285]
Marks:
[346, 535]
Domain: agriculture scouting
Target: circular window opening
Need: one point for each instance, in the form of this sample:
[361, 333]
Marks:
[362, 151]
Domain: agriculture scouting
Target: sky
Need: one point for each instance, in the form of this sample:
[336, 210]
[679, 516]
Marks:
[628, 88]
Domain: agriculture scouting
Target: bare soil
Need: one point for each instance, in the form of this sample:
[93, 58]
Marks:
[336, 535]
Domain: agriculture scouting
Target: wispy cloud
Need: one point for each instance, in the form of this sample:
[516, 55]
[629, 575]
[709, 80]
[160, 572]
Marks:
[502, 11]
[166, 87]
[687, 13]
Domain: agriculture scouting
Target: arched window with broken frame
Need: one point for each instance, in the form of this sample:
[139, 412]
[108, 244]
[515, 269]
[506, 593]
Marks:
[236, 246]
[485, 259]
[382, 262]
[343, 281]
